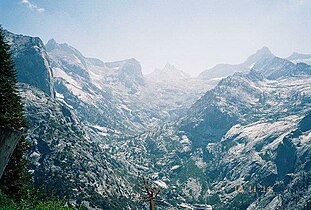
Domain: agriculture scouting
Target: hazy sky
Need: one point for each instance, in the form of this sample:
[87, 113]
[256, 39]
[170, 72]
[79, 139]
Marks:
[193, 35]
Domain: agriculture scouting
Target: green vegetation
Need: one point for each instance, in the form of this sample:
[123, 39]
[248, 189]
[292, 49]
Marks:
[28, 202]
[189, 170]
[241, 201]
[213, 199]
[11, 115]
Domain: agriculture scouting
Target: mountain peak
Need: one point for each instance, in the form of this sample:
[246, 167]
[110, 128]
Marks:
[52, 41]
[130, 67]
[64, 47]
[129, 73]
[264, 50]
[59, 50]
[51, 45]
[168, 73]
[132, 60]
[261, 54]
[169, 66]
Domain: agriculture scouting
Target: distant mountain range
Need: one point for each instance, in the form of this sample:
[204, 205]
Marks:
[168, 74]
[298, 57]
[224, 70]
[237, 136]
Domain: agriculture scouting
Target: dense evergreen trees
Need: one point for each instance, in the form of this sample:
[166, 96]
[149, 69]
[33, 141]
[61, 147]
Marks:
[11, 108]
[11, 115]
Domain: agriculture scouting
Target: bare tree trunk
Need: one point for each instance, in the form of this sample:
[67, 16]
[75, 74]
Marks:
[151, 204]
[8, 141]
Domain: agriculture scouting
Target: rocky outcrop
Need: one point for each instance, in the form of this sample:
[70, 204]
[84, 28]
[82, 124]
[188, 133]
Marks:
[31, 62]
[8, 141]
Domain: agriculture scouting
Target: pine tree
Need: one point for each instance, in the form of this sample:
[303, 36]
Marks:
[15, 175]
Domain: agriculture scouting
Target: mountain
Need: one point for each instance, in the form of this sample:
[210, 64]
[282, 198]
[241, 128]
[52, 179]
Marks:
[31, 61]
[224, 70]
[168, 74]
[300, 58]
[65, 148]
[236, 135]
[104, 94]
[249, 133]
[201, 140]
[126, 72]
[71, 59]
[248, 129]
[65, 158]
[91, 84]
[277, 68]
[174, 90]
[92, 105]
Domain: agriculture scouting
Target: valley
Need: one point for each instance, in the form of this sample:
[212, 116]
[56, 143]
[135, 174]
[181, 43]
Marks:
[97, 127]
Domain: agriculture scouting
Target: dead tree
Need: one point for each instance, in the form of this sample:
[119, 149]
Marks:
[152, 192]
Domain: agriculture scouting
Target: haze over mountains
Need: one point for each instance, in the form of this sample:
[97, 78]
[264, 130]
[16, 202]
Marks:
[96, 126]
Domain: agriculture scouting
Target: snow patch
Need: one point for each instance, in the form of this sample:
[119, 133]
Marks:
[161, 183]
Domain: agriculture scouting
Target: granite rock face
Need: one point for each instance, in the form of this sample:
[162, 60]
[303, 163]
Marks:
[66, 159]
[8, 141]
[31, 62]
